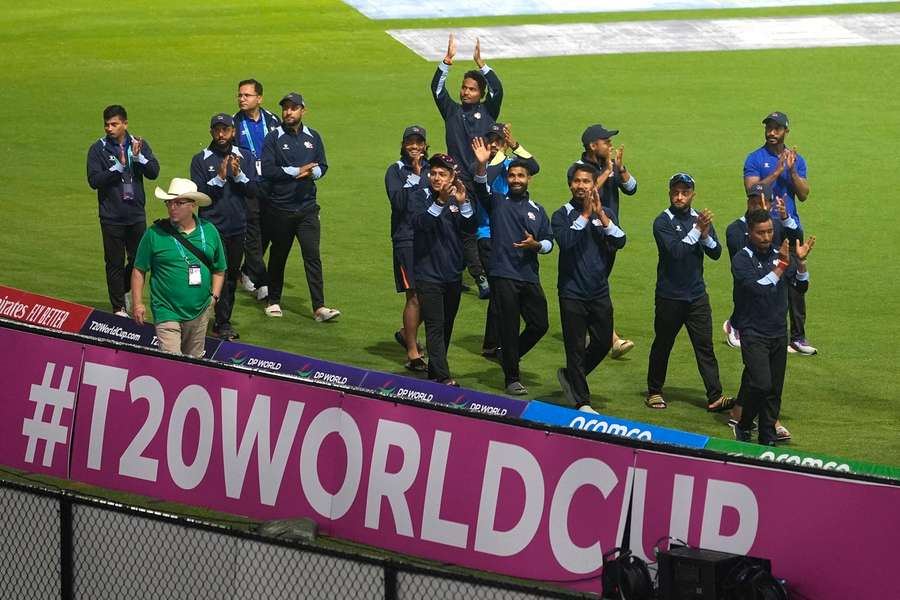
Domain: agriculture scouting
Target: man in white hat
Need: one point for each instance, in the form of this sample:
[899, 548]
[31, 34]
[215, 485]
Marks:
[187, 259]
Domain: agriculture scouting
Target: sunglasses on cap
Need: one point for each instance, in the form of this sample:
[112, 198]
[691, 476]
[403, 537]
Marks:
[681, 178]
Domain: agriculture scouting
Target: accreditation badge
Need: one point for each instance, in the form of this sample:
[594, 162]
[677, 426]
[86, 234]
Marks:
[194, 275]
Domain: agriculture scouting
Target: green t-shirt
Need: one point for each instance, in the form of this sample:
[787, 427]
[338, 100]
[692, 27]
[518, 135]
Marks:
[171, 298]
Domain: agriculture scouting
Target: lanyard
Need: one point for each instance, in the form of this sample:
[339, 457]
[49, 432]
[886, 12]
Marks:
[249, 137]
[181, 247]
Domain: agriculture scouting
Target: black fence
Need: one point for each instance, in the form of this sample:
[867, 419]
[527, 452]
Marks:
[57, 544]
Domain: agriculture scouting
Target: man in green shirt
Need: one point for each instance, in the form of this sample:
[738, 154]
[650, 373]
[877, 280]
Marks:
[185, 286]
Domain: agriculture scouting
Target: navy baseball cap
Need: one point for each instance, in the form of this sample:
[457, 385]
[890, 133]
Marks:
[778, 118]
[495, 129]
[681, 177]
[414, 130]
[221, 119]
[518, 162]
[443, 160]
[757, 189]
[597, 132]
[293, 97]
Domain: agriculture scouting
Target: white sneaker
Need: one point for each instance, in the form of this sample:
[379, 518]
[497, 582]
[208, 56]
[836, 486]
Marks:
[802, 346]
[262, 292]
[586, 408]
[121, 313]
[274, 310]
[247, 284]
[732, 335]
[323, 313]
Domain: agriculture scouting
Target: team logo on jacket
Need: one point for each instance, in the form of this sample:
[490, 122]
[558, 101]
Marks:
[597, 223]
[285, 147]
[308, 144]
[766, 165]
[532, 216]
[211, 169]
[678, 228]
[454, 208]
[477, 115]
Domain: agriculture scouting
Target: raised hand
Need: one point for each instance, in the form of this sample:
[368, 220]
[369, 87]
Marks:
[137, 144]
[781, 208]
[481, 151]
[508, 136]
[235, 162]
[802, 250]
[619, 152]
[704, 220]
[476, 56]
[784, 252]
[791, 158]
[457, 191]
[529, 243]
[223, 168]
[451, 50]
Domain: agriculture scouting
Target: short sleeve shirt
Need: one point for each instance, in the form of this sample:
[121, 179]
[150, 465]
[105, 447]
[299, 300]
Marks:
[171, 297]
[762, 162]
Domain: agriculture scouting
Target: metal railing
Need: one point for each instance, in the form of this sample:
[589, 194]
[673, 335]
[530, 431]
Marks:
[56, 544]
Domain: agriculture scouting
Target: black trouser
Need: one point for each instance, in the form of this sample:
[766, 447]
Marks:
[282, 227]
[513, 298]
[491, 331]
[234, 252]
[696, 316]
[470, 254]
[438, 303]
[120, 244]
[254, 267]
[581, 318]
[762, 383]
[797, 310]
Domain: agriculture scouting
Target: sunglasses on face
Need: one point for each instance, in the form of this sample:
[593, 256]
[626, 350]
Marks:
[178, 202]
[681, 178]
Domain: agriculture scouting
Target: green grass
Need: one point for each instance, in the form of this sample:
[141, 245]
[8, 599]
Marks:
[173, 65]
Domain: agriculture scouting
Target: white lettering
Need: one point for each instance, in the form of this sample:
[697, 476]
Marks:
[192, 398]
[133, 463]
[331, 420]
[582, 472]
[434, 528]
[105, 379]
[257, 431]
[682, 498]
[502, 456]
[392, 486]
[720, 494]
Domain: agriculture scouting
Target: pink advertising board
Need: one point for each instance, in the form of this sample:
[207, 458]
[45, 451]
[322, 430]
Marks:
[462, 490]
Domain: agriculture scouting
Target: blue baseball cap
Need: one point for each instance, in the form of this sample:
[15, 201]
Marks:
[681, 177]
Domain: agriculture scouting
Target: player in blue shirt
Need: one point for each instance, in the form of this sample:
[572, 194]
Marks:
[783, 170]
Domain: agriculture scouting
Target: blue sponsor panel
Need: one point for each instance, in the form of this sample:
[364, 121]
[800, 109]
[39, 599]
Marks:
[108, 326]
[407, 388]
[553, 414]
[276, 361]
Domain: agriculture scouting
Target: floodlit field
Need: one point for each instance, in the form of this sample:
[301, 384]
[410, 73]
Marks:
[173, 65]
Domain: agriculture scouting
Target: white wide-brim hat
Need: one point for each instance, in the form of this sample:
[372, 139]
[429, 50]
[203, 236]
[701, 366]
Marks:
[183, 188]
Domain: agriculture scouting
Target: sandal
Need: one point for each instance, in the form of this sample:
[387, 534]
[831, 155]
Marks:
[782, 434]
[398, 337]
[722, 404]
[655, 401]
[450, 381]
[416, 364]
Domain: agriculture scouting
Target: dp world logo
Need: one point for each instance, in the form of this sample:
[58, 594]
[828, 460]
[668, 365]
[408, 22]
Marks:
[459, 402]
[239, 358]
[386, 389]
[305, 371]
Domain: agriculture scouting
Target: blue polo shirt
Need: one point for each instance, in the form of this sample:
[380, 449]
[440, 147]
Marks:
[762, 162]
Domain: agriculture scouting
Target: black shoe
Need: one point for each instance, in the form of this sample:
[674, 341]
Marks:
[398, 335]
[417, 364]
[742, 435]
[225, 332]
[566, 387]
